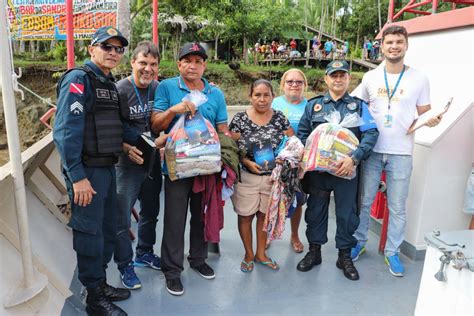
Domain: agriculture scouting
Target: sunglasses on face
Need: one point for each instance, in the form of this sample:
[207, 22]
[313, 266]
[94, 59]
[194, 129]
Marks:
[108, 47]
[294, 82]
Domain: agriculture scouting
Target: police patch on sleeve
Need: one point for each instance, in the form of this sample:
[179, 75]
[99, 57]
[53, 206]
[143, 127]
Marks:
[352, 106]
[75, 87]
[76, 108]
[317, 107]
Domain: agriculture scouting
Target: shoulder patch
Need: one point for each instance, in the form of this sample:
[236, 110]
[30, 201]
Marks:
[77, 88]
[76, 108]
[352, 106]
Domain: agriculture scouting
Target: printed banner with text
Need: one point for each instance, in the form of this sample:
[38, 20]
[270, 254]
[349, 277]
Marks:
[46, 19]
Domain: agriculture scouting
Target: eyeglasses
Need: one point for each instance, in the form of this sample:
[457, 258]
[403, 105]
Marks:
[294, 82]
[108, 47]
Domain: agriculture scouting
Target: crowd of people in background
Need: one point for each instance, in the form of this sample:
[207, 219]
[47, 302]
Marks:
[330, 49]
[371, 49]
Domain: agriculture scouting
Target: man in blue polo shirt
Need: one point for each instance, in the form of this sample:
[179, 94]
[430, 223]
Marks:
[168, 106]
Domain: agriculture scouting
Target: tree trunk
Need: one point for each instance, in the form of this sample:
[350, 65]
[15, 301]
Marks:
[15, 46]
[333, 22]
[326, 16]
[177, 44]
[380, 15]
[358, 37]
[32, 48]
[165, 46]
[216, 42]
[321, 22]
[22, 47]
[245, 55]
[123, 18]
[306, 30]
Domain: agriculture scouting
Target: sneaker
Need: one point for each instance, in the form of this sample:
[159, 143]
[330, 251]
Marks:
[174, 286]
[129, 278]
[357, 251]
[396, 267]
[205, 271]
[148, 259]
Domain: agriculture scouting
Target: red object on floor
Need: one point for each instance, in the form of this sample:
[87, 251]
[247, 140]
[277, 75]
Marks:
[135, 214]
[380, 201]
[379, 210]
[383, 232]
[130, 232]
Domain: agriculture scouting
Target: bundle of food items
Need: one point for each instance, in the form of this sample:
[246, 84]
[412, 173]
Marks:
[331, 142]
[193, 146]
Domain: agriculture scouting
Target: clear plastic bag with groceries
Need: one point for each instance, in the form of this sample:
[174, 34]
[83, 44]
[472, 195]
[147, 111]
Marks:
[330, 142]
[193, 147]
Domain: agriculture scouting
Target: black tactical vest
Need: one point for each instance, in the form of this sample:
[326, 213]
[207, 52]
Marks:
[103, 132]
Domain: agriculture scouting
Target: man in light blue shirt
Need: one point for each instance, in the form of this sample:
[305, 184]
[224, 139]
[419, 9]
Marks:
[328, 48]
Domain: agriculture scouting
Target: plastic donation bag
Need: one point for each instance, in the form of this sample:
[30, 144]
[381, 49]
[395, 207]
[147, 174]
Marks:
[192, 147]
[330, 142]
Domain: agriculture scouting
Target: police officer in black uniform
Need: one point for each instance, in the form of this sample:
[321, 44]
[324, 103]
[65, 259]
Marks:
[320, 184]
[88, 136]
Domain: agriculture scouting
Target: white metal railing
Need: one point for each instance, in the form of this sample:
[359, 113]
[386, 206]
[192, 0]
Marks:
[33, 282]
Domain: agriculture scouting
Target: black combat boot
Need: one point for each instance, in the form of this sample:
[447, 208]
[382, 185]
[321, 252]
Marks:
[115, 294]
[311, 259]
[99, 305]
[345, 263]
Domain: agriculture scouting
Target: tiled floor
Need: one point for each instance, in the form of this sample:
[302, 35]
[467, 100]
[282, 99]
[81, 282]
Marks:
[321, 291]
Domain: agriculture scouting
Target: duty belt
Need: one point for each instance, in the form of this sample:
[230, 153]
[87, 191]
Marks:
[99, 161]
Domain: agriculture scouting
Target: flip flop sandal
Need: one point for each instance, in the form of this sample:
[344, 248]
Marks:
[246, 266]
[269, 263]
[298, 247]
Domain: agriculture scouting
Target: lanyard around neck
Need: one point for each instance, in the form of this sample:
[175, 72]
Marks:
[140, 100]
[390, 95]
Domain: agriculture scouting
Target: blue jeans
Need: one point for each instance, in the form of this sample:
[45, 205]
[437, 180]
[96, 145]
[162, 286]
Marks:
[134, 183]
[398, 170]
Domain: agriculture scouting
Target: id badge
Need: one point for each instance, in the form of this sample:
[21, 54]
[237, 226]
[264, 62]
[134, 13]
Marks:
[388, 121]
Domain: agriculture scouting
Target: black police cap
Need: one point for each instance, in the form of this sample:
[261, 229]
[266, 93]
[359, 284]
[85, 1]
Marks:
[107, 32]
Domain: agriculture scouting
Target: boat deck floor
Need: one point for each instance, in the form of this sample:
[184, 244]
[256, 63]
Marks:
[322, 291]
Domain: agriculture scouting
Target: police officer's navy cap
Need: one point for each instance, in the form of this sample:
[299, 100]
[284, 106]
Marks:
[337, 65]
[107, 32]
[192, 49]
